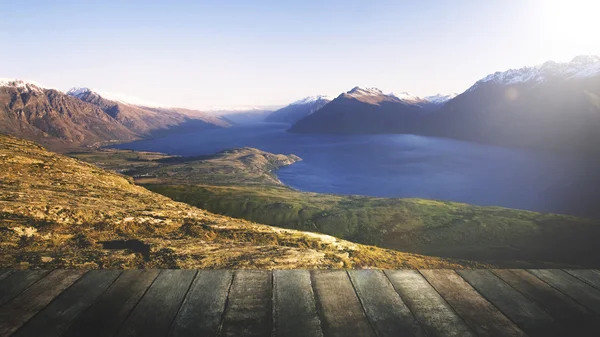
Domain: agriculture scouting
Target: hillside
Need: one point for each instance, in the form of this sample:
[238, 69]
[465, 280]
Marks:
[298, 110]
[240, 183]
[58, 212]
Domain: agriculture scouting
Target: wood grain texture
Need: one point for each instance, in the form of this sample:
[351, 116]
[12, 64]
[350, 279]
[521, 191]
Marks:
[479, 314]
[18, 281]
[294, 305]
[202, 309]
[153, 315]
[341, 312]
[21, 308]
[571, 286]
[5, 273]
[386, 311]
[105, 316]
[248, 310]
[589, 276]
[524, 312]
[572, 318]
[435, 315]
[55, 318]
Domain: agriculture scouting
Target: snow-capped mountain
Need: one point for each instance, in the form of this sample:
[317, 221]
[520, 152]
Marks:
[580, 67]
[82, 91]
[298, 109]
[439, 98]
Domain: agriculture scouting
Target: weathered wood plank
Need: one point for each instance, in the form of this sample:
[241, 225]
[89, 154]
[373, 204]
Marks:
[435, 315]
[572, 318]
[386, 311]
[294, 305]
[479, 314]
[521, 310]
[153, 315]
[4, 273]
[589, 276]
[571, 286]
[105, 316]
[249, 308]
[19, 281]
[21, 308]
[203, 307]
[55, 318]
[339, 307]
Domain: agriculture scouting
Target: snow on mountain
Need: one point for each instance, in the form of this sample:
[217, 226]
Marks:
[311, 99]
[439, 98]
[406, 97]
[580, 67]
[30, 85]
[78, 91]
[358, 92]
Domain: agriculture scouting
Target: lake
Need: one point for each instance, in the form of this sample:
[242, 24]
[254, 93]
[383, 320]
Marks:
[409, 166]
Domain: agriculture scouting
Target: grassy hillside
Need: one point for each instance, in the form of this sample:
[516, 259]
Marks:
[247, 189]
[58, 212]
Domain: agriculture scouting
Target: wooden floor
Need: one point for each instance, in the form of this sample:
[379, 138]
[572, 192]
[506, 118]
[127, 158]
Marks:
[300, 303]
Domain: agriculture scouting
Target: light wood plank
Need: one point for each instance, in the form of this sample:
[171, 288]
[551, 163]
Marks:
[249, 309]
[340, 309]
[21, 308]
[153, 315]
[55, 318]
[572, 318]
[589, 276]
[105, 316]
[479, 314]
[524, 312]
[203, 307]
[18, 281]
[435, 315]
[386, 311]
[294, 305]
[571, 286]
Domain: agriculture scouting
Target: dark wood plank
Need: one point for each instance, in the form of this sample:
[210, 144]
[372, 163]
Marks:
[572, 318]
[339, 307]
[4, 273]
[571, 286]
[294, 305]
[435, 315]
[19, 281]
[55, 318]
[203, 307]
[105, 316]
[386, 311]
[153, 315]
[524, 312]
[248, 310]
[479, 314]
[21, 308]
[589, 276]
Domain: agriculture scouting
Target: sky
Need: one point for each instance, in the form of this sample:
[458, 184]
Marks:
[200, 54]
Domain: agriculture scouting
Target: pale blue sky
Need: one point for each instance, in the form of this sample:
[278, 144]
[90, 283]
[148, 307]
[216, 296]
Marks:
[204, 53]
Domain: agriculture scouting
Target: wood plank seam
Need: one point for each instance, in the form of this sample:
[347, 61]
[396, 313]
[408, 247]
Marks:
[319, 308]
[562, 292]
[443, 298]
[171, 326]
[582, 280]
[362, 304]
[50, 302]
[136, 304]
[222, 320]
[497, 308]
[404, 300]
[24, 289]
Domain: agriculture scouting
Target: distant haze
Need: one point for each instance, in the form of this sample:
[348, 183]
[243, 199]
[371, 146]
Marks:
[232, 54]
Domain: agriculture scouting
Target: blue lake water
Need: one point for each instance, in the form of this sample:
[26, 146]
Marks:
[410, 166]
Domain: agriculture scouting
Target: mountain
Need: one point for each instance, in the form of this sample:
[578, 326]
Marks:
[363, 111]
[298, 109]
[53, 118]
[146, 118]
[59, 212]
[241, 115]
[553, 106]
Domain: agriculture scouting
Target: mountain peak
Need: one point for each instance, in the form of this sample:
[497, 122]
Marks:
[311, 99]
[365, 91]
[585, 59]
[78, 91]
[16, 83]
[439, 98]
